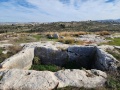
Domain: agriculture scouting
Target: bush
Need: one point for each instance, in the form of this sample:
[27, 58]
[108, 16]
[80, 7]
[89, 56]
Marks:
[36, 61]
[67, 41]
[113, 80]
[70, 41]
[102, 33]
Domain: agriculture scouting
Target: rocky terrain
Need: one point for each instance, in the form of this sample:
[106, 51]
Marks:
[53, 60]
[15, 73]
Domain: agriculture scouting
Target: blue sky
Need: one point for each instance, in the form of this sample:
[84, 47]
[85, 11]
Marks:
[58, 10]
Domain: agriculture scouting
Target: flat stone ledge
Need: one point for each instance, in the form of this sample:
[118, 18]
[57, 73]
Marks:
[17, 79]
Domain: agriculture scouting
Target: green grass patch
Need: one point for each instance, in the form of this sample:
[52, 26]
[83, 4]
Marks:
[37, 37]
[52, 68]
[113, 83]
[113, 80]
[1, 49]
[115, 41]
[43, 38]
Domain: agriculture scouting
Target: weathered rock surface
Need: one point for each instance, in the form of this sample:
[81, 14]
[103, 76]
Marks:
[5, 45]
[21, 60]
[56, 36]
[83, 55]
[16, 79]
[105, 47]
[105, 61]
[92, 38]
[49, 55]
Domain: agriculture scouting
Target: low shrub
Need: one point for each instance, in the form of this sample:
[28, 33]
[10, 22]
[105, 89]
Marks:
[1, 49]
[115, 53]
[102, 33]
[36, 61]
[70, 41]
[113, 80]
[67, 41]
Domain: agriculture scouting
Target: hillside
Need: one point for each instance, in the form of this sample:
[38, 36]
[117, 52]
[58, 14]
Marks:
[91, 26]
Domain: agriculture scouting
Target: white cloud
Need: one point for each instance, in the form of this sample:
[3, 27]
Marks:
[54, 10]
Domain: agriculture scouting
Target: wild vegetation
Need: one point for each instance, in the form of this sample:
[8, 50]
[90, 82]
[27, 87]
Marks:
[37, 65]
[70, 41]
[87, 26]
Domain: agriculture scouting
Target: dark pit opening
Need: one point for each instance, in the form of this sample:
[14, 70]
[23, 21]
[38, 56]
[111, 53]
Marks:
[69, 58]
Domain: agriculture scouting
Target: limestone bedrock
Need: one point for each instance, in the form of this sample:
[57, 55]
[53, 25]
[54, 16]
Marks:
[17, 79]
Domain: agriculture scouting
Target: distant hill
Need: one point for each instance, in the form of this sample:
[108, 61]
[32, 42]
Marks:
[118, 20]
[87, 26]
[110, 20]
[23, 23]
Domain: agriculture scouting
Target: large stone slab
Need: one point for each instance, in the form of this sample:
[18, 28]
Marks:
[16, 79]
[21, 60]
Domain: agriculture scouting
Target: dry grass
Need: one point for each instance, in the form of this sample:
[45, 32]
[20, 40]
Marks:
[70, 40]
[102, 33]
[11, 51]
[2, 38]
[66, 33]
[14, 49]
[72, 33]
